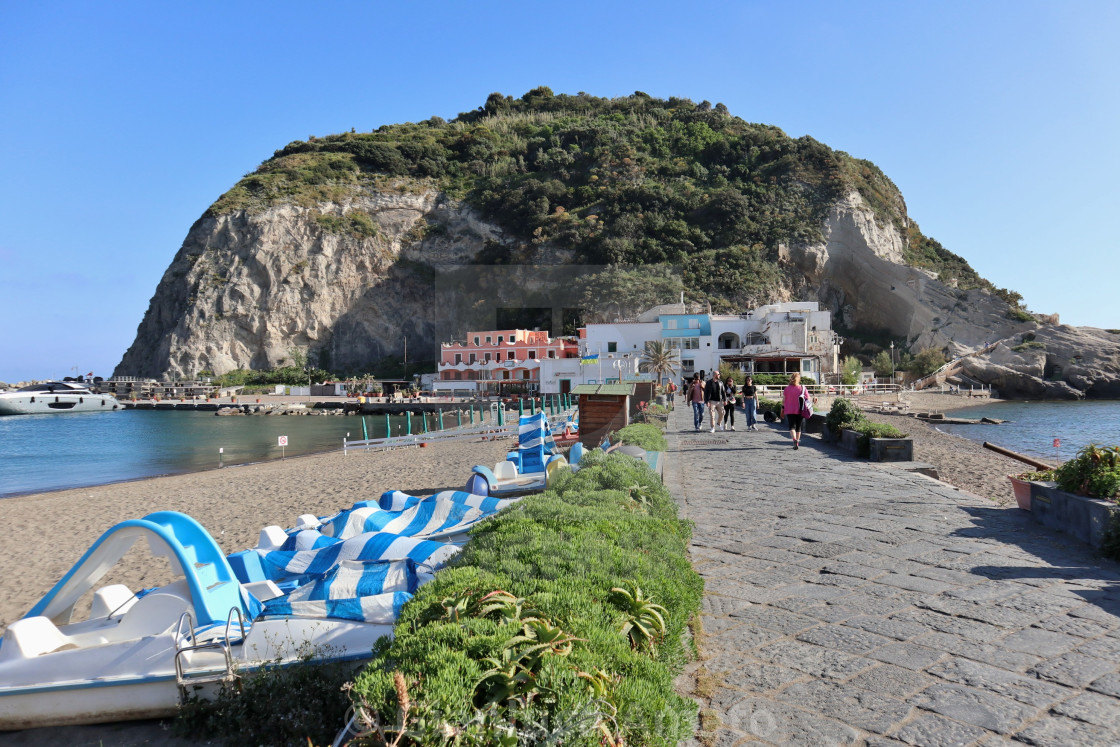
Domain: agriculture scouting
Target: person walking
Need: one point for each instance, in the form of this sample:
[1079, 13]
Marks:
[729, 404]
[713, 397]
[695, 397]
[671, 390]
[749, 402]
[793, 398]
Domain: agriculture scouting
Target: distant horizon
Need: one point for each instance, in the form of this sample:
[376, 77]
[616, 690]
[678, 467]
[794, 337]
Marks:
[123, 123]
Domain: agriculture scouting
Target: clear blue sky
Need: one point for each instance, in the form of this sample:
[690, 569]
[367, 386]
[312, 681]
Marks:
[121, 122]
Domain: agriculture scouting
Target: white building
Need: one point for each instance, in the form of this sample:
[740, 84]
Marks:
[777, 338]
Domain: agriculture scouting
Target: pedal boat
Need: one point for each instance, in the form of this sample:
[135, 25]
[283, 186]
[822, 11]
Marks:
[530, 469]
[139, 654]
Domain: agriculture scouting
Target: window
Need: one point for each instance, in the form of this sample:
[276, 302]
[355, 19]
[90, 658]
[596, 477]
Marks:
[486, 358]
[500, 339]
[509, 356]
[458, 358]
[525, 374]
[687, 365]
[488, 339]
[532, 355]
[472, 360]
[670, 324]
[694, 324]
[612, 347]
[552, 354]
[690, 343]
[476, 339]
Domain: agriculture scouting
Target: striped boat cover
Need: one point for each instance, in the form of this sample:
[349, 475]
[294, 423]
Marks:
[309, 552]
[372, 591]
[437, 515]
[534, 443]
[395, 500]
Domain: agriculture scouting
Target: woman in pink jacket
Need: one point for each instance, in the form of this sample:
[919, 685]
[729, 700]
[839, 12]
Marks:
[791, 407]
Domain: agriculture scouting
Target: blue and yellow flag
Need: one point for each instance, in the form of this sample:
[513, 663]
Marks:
[588, 360]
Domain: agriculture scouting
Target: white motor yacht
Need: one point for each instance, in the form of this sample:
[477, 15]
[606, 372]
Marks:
[55, 396]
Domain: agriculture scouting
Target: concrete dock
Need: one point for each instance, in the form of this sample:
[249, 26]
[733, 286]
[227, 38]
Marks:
[849, 603]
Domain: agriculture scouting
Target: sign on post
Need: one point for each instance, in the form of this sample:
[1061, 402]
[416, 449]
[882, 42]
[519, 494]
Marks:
[283, 444]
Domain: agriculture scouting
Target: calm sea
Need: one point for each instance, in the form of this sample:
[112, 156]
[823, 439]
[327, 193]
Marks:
[51, 452]
[1033, 427]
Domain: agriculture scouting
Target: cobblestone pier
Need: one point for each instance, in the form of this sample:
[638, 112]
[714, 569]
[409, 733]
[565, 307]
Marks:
[849, 603]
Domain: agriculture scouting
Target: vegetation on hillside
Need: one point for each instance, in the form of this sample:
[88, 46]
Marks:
[633, 180]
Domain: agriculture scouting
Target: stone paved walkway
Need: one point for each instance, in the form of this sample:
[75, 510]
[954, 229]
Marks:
[848, 603]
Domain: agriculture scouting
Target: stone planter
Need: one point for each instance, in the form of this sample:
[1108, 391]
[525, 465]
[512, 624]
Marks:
[880, 449]
[849, 440]
[1022, 491]
[892, 450]
[1085, 518]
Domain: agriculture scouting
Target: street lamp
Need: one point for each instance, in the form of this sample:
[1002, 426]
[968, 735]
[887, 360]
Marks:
[892, 361]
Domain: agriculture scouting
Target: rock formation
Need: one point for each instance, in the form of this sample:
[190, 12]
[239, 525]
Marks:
[347, 282]
[249, 290]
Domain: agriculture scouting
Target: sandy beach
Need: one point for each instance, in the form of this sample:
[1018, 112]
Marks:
[46, 533]
[962, 463]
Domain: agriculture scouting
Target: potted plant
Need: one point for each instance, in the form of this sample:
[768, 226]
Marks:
[1094, 472]
[1021, 486]
[1083, 497]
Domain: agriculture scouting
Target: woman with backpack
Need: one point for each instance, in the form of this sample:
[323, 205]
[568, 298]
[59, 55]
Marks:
[795, 397]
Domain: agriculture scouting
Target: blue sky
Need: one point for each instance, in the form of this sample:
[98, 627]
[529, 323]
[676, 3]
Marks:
[121, 122]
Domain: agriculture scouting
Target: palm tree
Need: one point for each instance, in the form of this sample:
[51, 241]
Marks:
[659, 359]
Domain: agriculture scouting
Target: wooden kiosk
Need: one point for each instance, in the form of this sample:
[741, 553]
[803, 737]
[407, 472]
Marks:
[603, 408]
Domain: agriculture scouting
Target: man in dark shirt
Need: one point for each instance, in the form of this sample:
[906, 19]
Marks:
[713, 397]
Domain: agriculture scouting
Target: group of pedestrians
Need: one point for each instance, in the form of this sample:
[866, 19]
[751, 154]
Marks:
[720, 398]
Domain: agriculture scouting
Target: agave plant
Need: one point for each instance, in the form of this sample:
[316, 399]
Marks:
[645, 621]
[507, 607]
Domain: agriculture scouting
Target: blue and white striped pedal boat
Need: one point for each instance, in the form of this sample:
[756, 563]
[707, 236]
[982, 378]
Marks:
[527, 470]
[136, 654]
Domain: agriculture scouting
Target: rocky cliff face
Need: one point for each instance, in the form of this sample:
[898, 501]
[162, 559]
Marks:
[858, 272]
[247, 289]
[348, 282]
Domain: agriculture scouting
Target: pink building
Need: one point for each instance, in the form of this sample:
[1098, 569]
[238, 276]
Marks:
[489, 361]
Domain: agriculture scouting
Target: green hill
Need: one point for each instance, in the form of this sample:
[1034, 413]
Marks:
[633, 180]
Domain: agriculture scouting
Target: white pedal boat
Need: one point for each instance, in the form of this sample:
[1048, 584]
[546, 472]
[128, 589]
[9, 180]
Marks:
[529, 469]
[138, 654]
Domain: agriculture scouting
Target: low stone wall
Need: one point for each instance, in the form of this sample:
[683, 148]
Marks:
[882, 449]
[1087, 519]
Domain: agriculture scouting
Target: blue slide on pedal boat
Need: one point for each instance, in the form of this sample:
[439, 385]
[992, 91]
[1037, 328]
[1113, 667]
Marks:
[137, 654]
[527, 470]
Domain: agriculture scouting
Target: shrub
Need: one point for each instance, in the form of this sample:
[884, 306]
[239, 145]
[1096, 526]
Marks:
[926, 362]
[843, 414]
[648, 437]
[554, 645]
[1094, 472]
[1028, 346]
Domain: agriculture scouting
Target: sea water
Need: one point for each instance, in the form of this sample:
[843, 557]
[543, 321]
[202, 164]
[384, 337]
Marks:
[52, 452]
[1049, 431]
